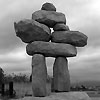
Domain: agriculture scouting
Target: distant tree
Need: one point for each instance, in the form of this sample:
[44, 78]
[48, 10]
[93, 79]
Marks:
[1, 75]
[16, 78]
[7, 78]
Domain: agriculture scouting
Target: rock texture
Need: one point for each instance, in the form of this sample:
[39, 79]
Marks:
[62, 96]
[49, 18]
[48, 7]
[49, 49]
[61, 78]
[75, 38]
[61, 27]
[39, 75]
[30, 30]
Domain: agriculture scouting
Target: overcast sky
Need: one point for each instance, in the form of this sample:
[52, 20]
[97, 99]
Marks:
[81, 15]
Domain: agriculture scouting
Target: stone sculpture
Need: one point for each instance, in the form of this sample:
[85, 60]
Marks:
[36, 32]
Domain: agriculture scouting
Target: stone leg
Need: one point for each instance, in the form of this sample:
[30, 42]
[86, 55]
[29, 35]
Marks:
[61, 77]
[52, 85]
[39, 75]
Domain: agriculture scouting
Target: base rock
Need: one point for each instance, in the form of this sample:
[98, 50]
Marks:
[61, 96]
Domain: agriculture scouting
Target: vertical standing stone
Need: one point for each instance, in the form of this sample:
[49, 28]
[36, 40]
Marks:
[61, 81]
[39, 75]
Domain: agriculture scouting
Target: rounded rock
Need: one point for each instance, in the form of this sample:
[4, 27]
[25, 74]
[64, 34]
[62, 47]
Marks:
[75, 38]
[30, 30]
[48, 7]
[60, 27]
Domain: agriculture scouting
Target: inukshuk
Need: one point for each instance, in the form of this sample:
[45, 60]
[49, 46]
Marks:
[60, 44]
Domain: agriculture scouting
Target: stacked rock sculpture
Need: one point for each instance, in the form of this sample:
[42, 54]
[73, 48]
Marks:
[37, 33]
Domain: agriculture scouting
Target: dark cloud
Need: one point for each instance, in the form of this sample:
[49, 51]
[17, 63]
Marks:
[17, 67]
[14, 11]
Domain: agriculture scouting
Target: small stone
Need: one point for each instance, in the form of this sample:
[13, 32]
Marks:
[49, 18]
[75, 38]
[48, 7]
[61, 81]
[61, 27]
[39, 75]
[30, 30]
[49, 49]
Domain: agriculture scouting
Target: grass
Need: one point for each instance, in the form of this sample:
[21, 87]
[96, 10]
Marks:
[25, 89]
[21, 89]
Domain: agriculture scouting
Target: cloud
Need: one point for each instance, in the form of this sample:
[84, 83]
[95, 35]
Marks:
[86, 66]
[16, 61]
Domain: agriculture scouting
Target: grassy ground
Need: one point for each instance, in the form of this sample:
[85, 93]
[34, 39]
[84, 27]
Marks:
[25, 89]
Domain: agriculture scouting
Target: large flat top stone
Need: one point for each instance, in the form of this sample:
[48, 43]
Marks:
[49, 18]
[61, 96]
[49, 49]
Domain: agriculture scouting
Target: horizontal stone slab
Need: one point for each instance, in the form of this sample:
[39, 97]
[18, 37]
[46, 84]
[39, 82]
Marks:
[49, 18]
[30, 30]
[75, 38]
[48, 7]
[49, 49]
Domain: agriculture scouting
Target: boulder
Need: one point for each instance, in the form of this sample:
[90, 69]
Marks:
[62, 96]
[61, 27]
[30, 30]
[49, 49]
[48, 7]
[75, 38]
[61, 77]
[39, 75]
[49, 18]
